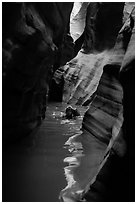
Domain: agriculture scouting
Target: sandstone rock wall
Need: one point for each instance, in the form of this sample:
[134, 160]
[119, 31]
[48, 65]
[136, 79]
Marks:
[122, 138]
[103, 79]
[104, 110]
[77, 20]
[82, 73]
[35, 42]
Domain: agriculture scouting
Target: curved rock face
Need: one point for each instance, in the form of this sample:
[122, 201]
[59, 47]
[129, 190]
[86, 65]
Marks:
[122, 141]
[102, 77]
[77, 20]
[34, 40]
[82, 73]
[104, 110]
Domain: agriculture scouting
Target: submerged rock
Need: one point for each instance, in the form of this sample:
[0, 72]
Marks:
[71, 112]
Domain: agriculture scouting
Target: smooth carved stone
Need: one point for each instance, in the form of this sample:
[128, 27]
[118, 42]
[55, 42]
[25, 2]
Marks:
[105, 107]
[110, 117]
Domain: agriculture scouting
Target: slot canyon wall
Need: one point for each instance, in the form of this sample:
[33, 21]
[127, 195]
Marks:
[36, 41]
[96, 69]
[102, 77]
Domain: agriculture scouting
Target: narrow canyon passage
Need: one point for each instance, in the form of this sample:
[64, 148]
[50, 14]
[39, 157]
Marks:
[33, 169]
[60, 54]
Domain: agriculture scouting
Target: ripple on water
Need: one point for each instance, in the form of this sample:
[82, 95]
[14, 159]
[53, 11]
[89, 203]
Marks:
[76, 153]
[72, 130]
[83, 162]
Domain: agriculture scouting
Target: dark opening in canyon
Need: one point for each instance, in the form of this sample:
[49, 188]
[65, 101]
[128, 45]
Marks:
[60, 54]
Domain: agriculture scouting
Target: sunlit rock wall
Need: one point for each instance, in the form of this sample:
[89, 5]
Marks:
[103, 79]
[77, 19]
[36, 41]
[81, 74]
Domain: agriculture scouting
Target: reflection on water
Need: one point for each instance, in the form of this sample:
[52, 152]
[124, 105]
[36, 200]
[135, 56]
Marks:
[83, 163]
[33, 168]
[76, 150]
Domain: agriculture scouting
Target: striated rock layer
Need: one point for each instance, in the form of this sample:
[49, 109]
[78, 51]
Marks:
[103, 79]
[106, 106]
[84, 71]
[36, 41]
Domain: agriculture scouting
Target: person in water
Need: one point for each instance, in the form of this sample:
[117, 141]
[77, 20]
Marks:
[71, 112]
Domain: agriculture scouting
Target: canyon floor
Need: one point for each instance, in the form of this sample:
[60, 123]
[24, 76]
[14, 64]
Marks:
[33, 168]
[56, 159]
